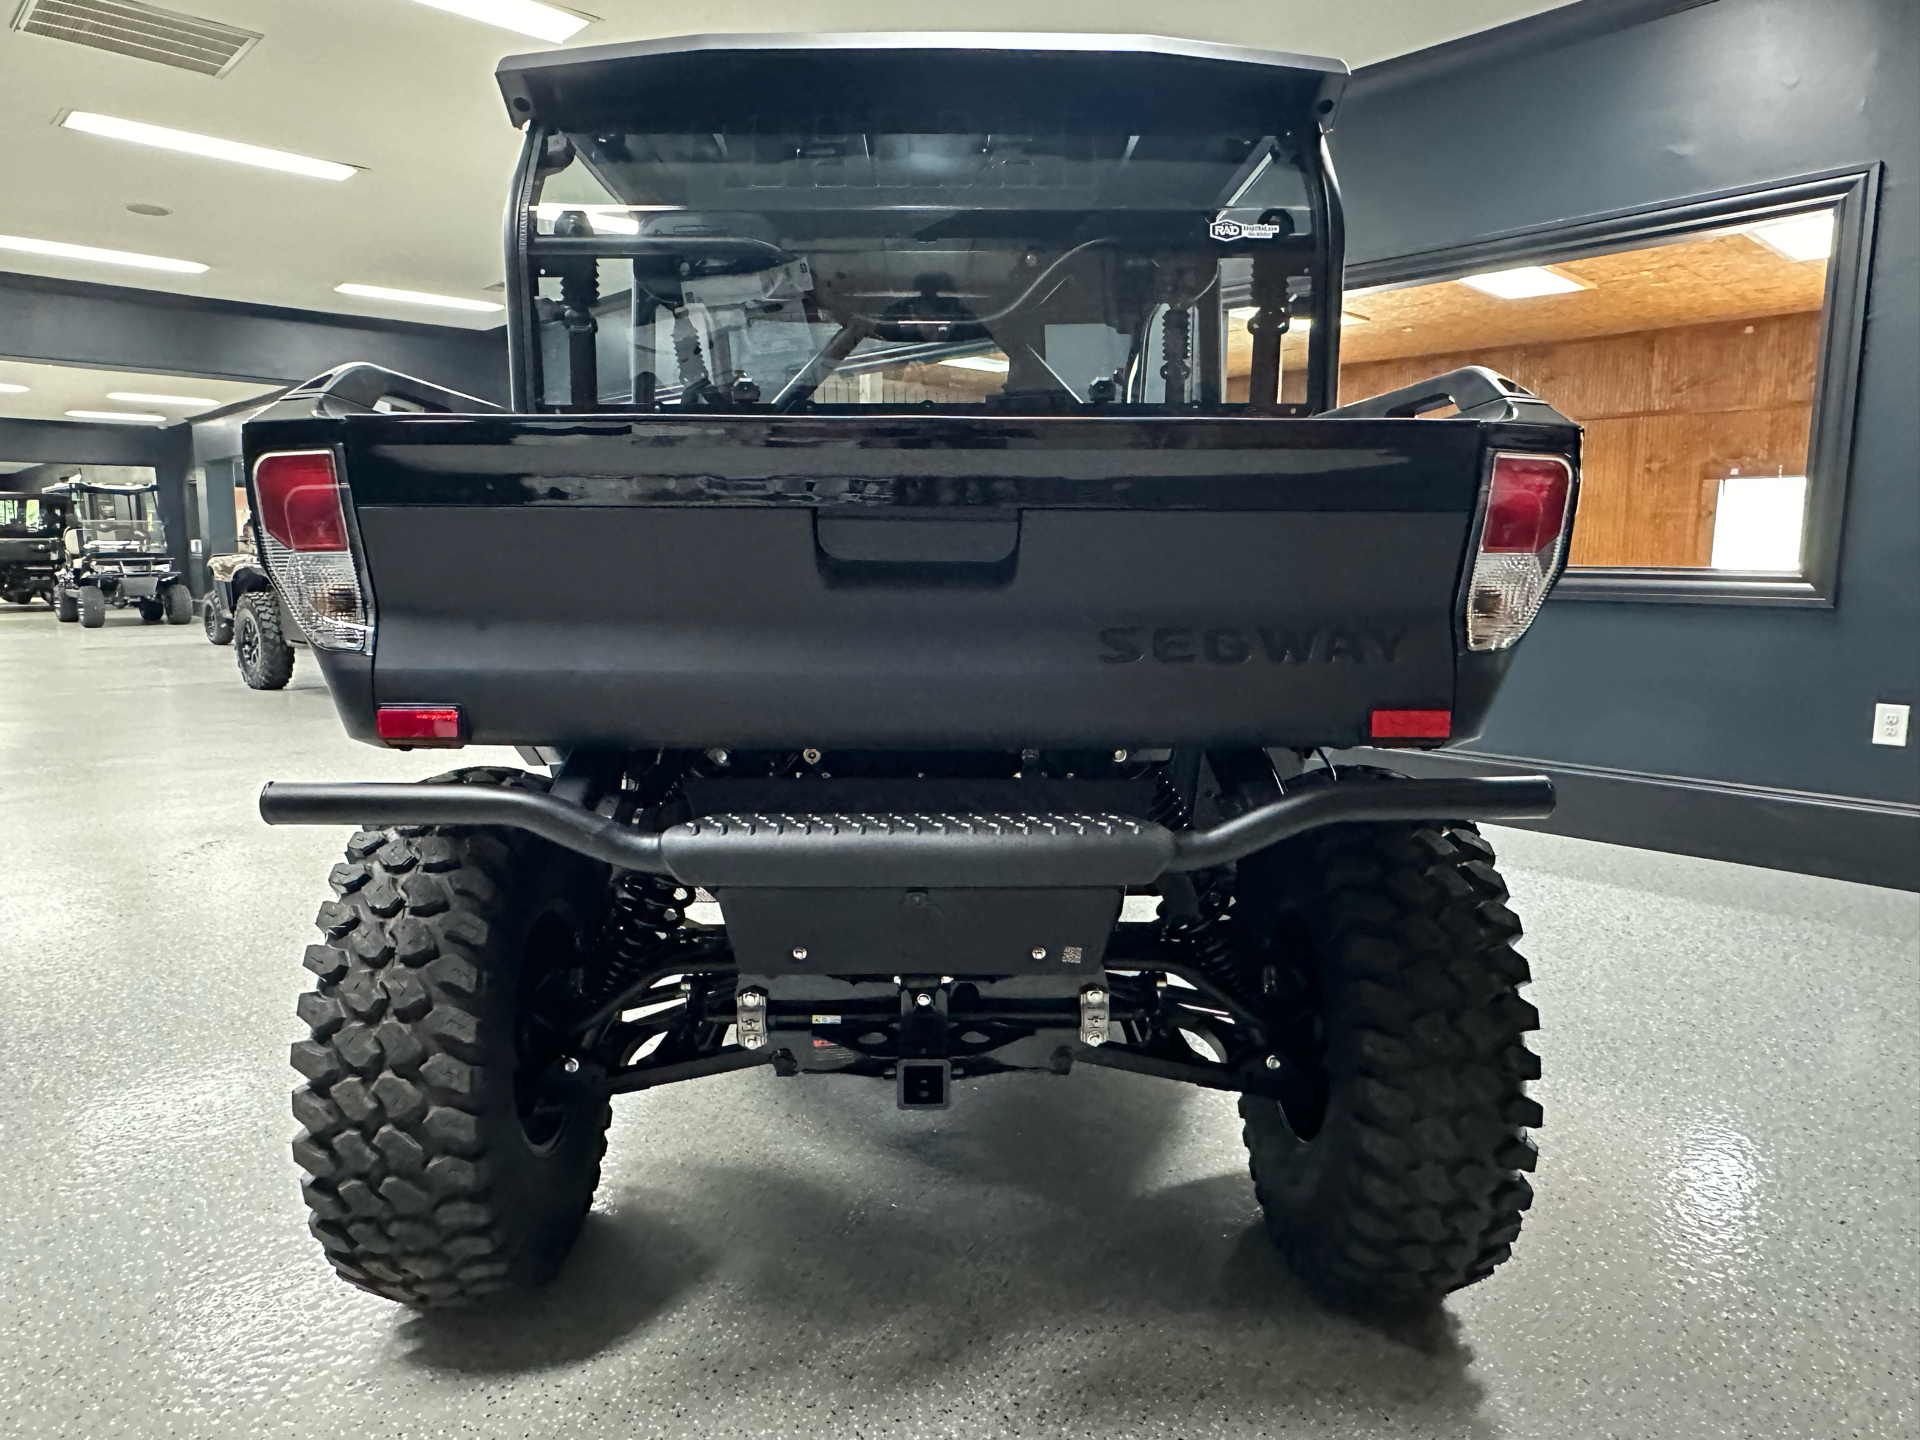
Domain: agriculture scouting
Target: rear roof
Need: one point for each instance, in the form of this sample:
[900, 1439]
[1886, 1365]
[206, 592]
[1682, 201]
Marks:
[921, 81]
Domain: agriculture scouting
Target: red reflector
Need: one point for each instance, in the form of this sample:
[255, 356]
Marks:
[419, 724]
[300, 501]
[1412, 724]
[1526, 504]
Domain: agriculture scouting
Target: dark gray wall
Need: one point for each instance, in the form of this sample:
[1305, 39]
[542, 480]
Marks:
[73, 443]
[111, 327]
[1549, 120]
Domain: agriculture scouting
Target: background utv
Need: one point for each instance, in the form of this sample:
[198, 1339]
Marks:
[917, 579]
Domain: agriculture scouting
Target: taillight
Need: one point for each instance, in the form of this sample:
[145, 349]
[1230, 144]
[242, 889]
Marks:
[303, 532]
[300, 501]
[410, 725]
[1523, 535]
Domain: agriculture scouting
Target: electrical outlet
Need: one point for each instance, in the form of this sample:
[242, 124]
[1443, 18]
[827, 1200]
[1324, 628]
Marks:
[1890, 724]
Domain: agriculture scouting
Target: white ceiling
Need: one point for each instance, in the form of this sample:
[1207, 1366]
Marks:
[407, 91]
[52, 390]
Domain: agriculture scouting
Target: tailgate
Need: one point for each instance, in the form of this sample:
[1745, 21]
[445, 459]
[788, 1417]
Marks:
[902, 582]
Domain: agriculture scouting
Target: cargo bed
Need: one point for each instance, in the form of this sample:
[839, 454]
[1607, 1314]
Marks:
[914, 581]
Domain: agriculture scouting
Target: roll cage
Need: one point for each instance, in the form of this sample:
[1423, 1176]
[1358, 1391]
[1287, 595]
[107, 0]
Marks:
[883, 95]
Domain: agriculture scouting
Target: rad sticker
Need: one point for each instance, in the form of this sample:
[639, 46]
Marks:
[1225, 229]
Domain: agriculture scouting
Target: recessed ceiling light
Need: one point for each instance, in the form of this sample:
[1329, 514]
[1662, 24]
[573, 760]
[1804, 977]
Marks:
[417, 297]
[120, 417]
[525, 17]
[63, 251]
[1799, 237]
[7, 388]
[185, 141]
[134, 397]
[993, 364]
[1525, 283]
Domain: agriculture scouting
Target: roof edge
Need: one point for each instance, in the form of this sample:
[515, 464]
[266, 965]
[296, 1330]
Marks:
[515, 73]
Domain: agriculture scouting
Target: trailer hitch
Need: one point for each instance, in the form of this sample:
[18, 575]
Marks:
[1047, 851]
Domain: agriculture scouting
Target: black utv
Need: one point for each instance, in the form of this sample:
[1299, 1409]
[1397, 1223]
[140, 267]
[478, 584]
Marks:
[242, 608]
[30, 527]
[939, 575]
[114, 553]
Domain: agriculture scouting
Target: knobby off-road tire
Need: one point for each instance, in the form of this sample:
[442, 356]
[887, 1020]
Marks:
[150, 611]
[262, 652]
[177, 601]
[93, 607]
[66, 606]
[218, 624]
[1405, 1182]
[450, 1154]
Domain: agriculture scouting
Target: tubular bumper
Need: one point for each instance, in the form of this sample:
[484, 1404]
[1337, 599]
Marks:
[958, 851]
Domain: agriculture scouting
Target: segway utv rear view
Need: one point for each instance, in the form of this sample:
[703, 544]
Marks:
[953, 573]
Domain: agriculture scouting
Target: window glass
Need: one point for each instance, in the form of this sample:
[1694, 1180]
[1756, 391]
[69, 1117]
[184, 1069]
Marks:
[118, 520]
[1692, 364]
[1026, 270]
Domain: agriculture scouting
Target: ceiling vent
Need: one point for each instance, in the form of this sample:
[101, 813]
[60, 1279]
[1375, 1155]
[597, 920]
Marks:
[166, 37]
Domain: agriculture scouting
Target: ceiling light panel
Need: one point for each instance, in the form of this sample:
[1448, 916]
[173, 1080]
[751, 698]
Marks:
[143, 32]
[1526, 283]
[523, 17]
[118, 417]
[185, 141]
[60, 250]
[135, 397]
[416, 297]
[1798, 237]
[10, 389]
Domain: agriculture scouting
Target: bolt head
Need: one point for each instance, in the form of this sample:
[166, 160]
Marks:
[570, 1065]
[799, 952]
[1120, 756]
[752, 999]
[810, 755]
[1096, 997]
[1273, 1062]
[923, 1000]
[1039, 952]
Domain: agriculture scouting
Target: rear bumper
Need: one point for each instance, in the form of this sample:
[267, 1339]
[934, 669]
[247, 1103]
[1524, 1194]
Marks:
[1053, 851]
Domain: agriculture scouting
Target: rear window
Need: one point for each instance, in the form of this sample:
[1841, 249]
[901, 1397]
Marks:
[1025, 272]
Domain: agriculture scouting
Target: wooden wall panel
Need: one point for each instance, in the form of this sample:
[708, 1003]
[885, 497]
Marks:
[1669, 414]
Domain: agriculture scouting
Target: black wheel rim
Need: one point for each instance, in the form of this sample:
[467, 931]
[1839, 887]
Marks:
[543, 1091]
[247, 642]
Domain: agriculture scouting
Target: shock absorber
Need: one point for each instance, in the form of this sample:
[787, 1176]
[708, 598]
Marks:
[579, 293]
[638, 936]
[1205, 941]
[695, 383]
[1176, 350]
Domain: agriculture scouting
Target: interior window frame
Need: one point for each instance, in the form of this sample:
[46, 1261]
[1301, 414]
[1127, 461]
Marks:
[1853, 195]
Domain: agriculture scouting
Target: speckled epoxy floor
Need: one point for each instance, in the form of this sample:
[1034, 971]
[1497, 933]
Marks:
[1724, 1243]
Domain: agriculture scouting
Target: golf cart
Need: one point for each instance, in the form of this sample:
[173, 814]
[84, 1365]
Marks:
[115, 553]
[30, 528]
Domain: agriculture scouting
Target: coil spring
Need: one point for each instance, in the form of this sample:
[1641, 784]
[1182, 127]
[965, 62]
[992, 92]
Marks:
[638, 936]
[1207, 943]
